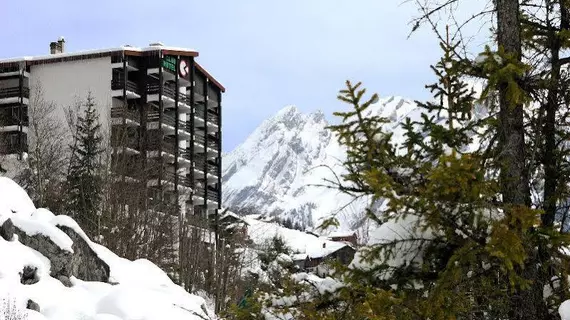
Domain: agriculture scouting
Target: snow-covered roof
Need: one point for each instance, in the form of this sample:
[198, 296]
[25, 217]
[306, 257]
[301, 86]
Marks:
[99, 51]
[341, 234]
[299, 256]
[126, 48]
[230, 214]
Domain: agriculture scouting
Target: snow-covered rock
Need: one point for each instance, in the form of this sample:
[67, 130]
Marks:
[135, 290]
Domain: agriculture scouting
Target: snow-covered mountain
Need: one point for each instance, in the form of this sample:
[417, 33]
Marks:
[51, 270]
[277, 170]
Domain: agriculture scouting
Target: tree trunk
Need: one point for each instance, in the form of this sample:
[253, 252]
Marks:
[525, 303]
[514, 178]
[551, 176]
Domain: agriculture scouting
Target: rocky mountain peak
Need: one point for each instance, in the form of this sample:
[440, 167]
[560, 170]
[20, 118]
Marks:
[277, 170]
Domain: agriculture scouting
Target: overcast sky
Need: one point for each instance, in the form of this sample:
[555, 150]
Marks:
[267, 53]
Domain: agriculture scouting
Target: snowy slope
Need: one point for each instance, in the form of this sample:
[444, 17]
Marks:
[261, 232]
[302, 245]
[140, 290]
[276, 169]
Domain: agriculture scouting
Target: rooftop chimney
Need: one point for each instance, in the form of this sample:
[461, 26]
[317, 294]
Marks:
[61, 44]
[53, 47]
[57, 47]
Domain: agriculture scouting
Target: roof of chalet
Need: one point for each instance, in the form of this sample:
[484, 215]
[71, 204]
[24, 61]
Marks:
[234, 216]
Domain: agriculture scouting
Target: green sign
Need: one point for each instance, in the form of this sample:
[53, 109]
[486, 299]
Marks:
[169, 63]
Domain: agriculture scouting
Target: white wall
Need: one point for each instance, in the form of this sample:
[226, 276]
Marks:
[66, 83]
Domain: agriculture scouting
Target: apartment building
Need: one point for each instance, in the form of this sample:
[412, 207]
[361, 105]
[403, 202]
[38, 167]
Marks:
[163, 111]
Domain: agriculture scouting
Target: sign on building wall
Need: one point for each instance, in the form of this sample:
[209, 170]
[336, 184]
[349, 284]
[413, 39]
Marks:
[169, 63]
[183, 68]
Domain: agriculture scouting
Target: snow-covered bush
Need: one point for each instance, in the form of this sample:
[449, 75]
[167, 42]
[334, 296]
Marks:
[9, 310]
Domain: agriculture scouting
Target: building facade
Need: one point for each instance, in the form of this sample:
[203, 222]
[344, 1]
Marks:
[162, 110]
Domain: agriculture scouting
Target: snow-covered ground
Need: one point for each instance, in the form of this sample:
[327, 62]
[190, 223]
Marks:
[140, 290]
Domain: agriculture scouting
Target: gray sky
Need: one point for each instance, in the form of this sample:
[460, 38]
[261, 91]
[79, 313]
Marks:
[268, 54]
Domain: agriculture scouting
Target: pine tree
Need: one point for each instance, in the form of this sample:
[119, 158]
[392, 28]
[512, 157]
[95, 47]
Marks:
[84, 182]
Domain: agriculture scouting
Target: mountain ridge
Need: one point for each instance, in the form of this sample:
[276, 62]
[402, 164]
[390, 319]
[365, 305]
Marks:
[277, 170]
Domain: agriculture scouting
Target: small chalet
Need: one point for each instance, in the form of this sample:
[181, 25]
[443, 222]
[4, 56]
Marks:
[348, 237]
[233, 225]
[330, 251]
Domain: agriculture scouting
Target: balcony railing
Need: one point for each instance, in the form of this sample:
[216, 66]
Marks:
[169, 147]
[9, 148]
[127, 142]
[201, 192]
[168, 120]
[212, 142]
[119, 84]
[200, 163]
[212, 117]
[200, 139]
[182, 180]
[14, 92]
[119, 112]
[11, 118]
[154, 88]
[14, 68]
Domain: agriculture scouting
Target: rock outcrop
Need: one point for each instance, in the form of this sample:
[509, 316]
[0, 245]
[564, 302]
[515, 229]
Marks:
[59, 258]
[33, 305]
[7, 230]
[29, 275]
[83, 263]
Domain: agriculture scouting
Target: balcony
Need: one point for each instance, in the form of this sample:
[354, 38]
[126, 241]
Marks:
[169, 149]
[212, 196]
[12, 149]
[182, 180]
[168, 125]
[199, 168]
[168, 97]
[118, 85]
[210, 116]
[12, 95]
[168, 180]
[200, 141]
[117, 63]
[10, 143]
[9, 117]
[130, 145]
[132, 118]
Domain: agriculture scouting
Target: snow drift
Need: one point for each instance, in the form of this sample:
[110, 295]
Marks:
[132, 290]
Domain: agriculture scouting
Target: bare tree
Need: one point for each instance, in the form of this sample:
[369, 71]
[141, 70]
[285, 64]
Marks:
[46, 150]
[136, 221]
